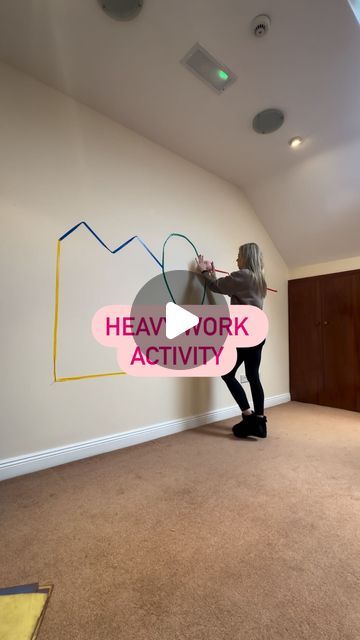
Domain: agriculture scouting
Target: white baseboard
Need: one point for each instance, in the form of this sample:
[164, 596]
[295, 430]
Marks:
[11, 467]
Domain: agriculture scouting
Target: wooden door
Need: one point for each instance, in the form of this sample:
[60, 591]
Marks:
[324, 340]
[357, 331]
[305, 340]
[340, 341]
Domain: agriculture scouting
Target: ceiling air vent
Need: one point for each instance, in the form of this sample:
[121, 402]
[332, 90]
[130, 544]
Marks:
[211, 71]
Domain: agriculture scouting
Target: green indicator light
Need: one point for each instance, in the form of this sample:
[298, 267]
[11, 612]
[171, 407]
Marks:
[223, 75]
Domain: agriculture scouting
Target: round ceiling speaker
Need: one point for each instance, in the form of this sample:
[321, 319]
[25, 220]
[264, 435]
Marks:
[268, 121]
[122, 9]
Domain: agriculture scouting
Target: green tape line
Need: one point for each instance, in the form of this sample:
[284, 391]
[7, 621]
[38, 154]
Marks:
[177, 235]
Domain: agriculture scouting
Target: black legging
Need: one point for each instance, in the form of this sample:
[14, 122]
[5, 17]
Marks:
[251, 356]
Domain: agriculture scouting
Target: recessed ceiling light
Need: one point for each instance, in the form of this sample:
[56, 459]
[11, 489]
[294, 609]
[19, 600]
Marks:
[295, 142]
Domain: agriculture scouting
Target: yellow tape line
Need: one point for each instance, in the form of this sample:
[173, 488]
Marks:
[56, 319]
[56, 325]
[93, 375]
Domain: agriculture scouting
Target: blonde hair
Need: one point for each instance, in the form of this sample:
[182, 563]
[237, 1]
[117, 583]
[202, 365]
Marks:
[251, 258]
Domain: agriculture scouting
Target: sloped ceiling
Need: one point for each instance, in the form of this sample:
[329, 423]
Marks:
[308, 65]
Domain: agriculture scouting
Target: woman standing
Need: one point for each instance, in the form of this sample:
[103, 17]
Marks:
[245, 286]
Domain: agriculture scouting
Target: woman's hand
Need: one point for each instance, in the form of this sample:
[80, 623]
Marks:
[204, 265]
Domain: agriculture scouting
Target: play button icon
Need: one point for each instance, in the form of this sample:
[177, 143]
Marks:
[169, 315]
[178, 320]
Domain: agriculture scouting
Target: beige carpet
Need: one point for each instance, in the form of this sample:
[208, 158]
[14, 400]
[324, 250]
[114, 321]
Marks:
[198, 536]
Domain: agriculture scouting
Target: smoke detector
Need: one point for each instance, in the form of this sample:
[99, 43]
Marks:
[260, 26]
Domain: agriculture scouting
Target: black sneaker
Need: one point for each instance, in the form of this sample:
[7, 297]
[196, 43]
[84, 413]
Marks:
[251, 425]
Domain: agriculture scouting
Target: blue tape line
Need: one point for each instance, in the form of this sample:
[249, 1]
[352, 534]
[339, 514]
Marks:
[124, 244]
[70, 231]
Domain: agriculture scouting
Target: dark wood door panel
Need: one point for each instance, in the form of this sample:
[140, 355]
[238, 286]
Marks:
[305, 340]
[324, 339]
[357, 332]
[340, 361]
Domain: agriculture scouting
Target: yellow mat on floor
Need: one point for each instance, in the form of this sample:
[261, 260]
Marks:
[20, 614]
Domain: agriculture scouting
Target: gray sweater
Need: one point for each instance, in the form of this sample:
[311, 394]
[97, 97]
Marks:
[239, 285]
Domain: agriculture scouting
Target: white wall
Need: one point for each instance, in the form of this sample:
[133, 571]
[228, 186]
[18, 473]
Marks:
[335, 266]
[312, 209]
[62, 163]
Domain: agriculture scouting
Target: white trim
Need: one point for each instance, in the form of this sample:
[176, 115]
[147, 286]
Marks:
[17, 466]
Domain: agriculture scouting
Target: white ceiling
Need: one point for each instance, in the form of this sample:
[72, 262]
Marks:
[308, 65]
